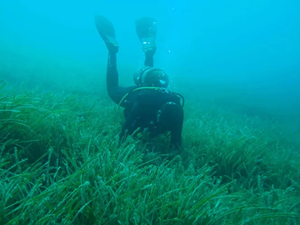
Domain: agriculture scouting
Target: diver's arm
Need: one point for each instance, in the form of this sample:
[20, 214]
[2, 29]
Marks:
[176, 137]
[131, 121]
[176, 130]
[172, 116]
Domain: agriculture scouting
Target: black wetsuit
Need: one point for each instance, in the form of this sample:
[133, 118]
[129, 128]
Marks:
[150, 110]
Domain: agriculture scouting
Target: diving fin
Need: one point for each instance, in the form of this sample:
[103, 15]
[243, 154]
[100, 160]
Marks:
[107, 32]
[146, 31]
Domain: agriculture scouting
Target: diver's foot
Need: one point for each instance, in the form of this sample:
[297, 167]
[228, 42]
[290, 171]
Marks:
[146, 31]
[107, 33]
[148, 46]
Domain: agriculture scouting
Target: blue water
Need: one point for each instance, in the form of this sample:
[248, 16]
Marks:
[251, 47]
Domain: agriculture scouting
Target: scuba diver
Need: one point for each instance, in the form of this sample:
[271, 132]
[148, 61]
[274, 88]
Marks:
[149, 108]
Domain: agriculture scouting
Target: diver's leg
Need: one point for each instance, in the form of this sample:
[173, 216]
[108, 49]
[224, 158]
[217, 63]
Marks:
[115, 92]
[107, 33]
[146, 31]
[149, 59]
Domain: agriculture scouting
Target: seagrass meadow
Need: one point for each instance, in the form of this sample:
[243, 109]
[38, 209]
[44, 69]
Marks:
[61, 163]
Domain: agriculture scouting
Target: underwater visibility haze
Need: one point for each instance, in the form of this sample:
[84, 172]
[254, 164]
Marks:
[237, 65]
